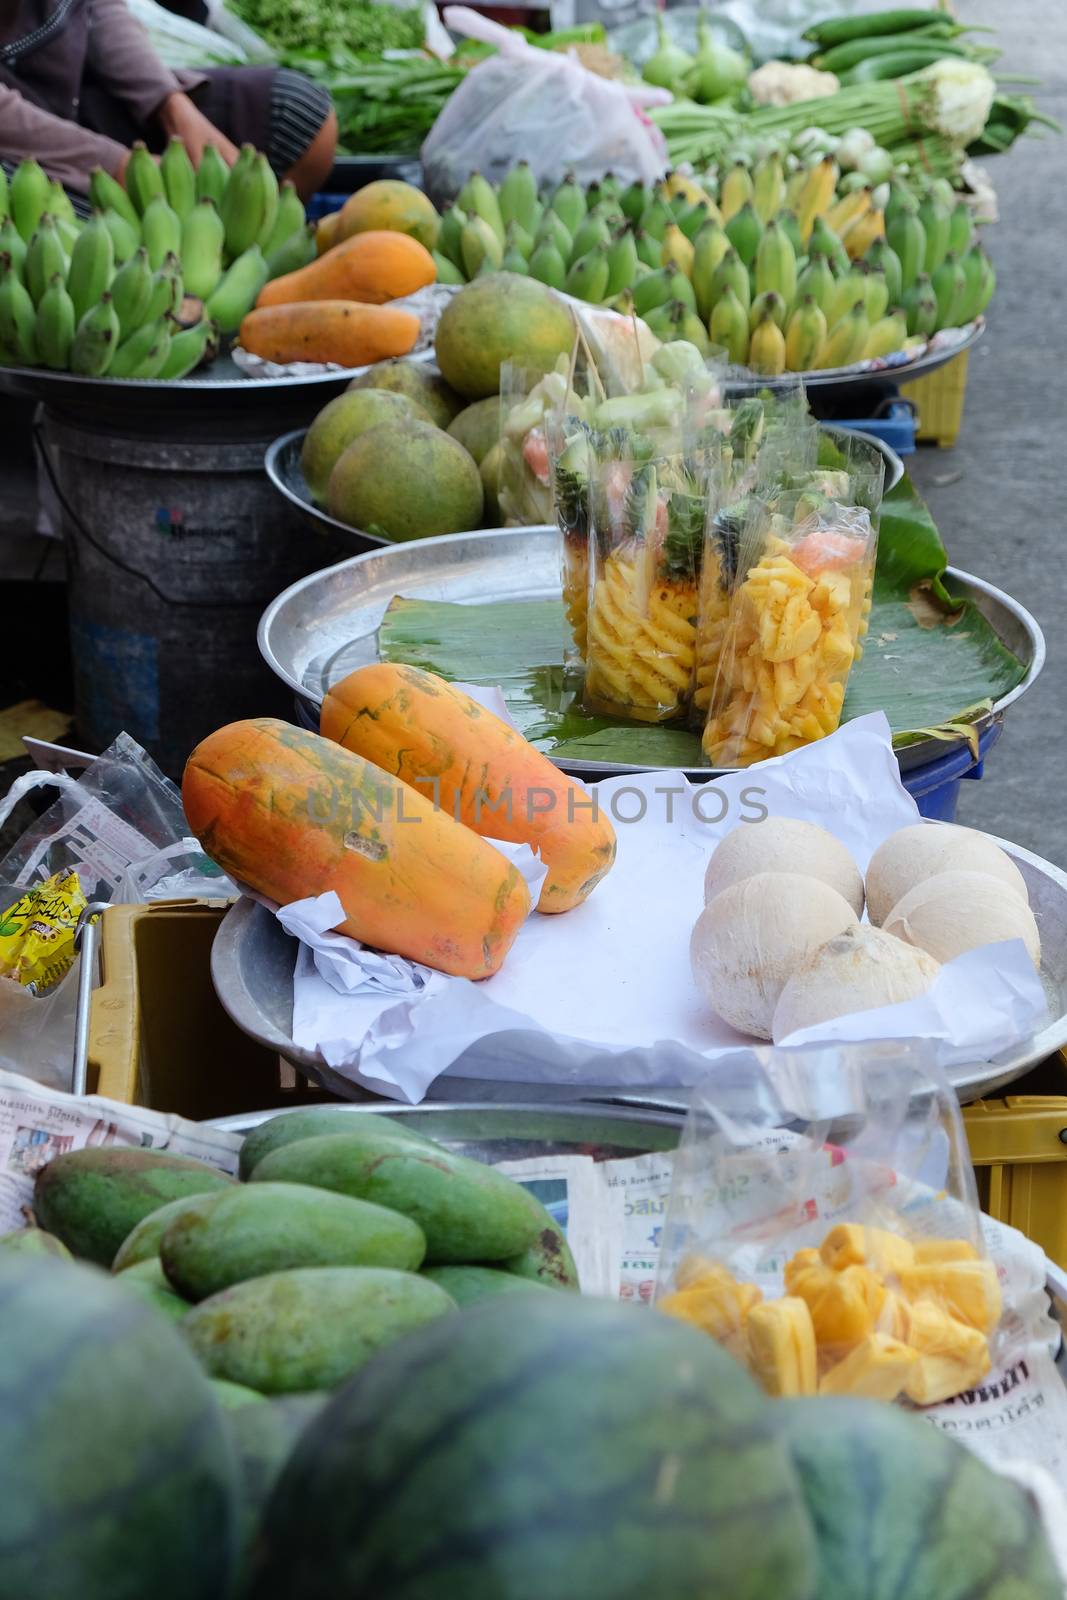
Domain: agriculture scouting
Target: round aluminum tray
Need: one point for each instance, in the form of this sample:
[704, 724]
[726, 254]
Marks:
[252, 969]
[218, 386]
[894, 371]
[282, 463]
[325, 626]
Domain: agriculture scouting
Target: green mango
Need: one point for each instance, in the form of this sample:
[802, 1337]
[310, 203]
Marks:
[270, 1227]
[308, 1121]
[143, 1242]
[148, 1282]
[236, 1396]
[469, 1284]
[548, 1260]
[32, 1242]
[467, 1211]
[309, 1328]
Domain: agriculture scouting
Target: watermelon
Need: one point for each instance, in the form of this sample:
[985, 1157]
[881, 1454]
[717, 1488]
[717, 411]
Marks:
[117, 1480]
[541, 1447]
[903, 1512]
[263, 1437]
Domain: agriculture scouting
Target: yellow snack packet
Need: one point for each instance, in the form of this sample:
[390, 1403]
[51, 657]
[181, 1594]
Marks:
[37, 932]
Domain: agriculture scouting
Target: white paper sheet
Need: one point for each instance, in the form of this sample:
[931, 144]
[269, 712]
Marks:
[604, 994]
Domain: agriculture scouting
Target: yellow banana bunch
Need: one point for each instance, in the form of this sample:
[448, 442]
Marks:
[766, 350]
[863, 232]
[817, 195]
[805, 336]
[848, 210]
[768, 188]
[735, 190]
[677, 248]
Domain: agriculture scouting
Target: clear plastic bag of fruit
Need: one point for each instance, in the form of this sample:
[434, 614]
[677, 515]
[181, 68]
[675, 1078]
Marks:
[823, 1225]
[532, 405]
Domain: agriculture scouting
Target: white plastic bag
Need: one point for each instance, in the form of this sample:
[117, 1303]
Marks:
[540, 106]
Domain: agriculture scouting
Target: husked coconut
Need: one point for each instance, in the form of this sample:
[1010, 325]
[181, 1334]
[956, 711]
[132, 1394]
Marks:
[750, 940]
[926, 849]
[959, 911]
[782, 844]
[860, 970]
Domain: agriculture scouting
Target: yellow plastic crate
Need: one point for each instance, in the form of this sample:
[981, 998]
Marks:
[1020, 1157]
[158, 1036]
[938, 399]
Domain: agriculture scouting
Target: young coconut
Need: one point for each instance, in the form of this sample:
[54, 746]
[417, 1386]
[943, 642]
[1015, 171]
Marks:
[959, 911]
[862, 969]
[926, 849]
[750, 940]
[782, 844]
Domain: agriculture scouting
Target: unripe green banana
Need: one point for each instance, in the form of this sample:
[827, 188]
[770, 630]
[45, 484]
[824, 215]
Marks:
[212, 176]
[622, 262]
[789, 223]
[92, 265]
[131, 288]
[517, 236]
[960, 229]
[848, 291]
[907, 237]
[236, 294]
[607, 188]
[289, 218]
[766, 348]
[482, 250]
[518, 197]
[55, 325]
[28, 193]
[949, 285]
[161, 232]
[805, 336]
[656, 218]
[167, 292]
[688, 326]
[591, 234]
[447, 271]
[681, 288]
[771, 302]
[817, 280]
[768, 187]
[513, 260]
[709, 247]
[568, 204]
[876, 296]
[45, 257]
[68, 234]
[695, 217]
[653, 290]
[988, 283]
[18, 319]
[661, 320]
[188, 349]
[478, 198]
[555, 230]
[203, 238]
[142, 355]
[823, 239]
[449, 234]
[124, 239]
[634, 201]
[847, 341]
[144, 181]
[59, 204]
[901, 198]
[107, 194]
[95, 340]
[179, 179]
[732, 274]
[268, 183]
[729, 326]
[745, 231]
[881, 254]
[5, 196]
[547, 265]
[587, 278]
[648, 249]
[12, 244]
[920, 306]
[937, 221]
[886, 336]
[241, 206]
[299, 250]
[776, 264]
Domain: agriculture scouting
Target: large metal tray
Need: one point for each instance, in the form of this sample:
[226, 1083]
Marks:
[282, 463]
[892, 372]
[252, 969]
[325, 626]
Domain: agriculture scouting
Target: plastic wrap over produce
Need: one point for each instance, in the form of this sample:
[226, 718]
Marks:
[500, 113]
[824, 1226]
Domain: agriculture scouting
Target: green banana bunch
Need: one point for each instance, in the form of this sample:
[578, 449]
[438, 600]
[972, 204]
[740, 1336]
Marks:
[18, 318]
[289, 218]
[55, 325]
[592, 233]
[131, 289]
[568, 204]
[92, 265]
[179, 179]
[269, 198]
[767, 302]
[937, 223]
[732, 274]
[919, 303]
[12, 244]
[447, 271]
[299, 250]
[949, 283]
[236, 293]
[450, 233]
[189, 349]
[547, 264]
[744, 231]
[107, 194]
[478, 198]
[876, 297]
[167, 292]
[161, 231]
[95, 340]
[805, 336]
[518, 197]
[45, 257]
[482, 250]
[881, 254]
[28, 197]
[709, 247]
[906, 236]
[960, 229]
[768, 188]
[776, 264]
[634, 201]
[202, 243]
[144, 181]
[212, 176]
[59, 204]
[555, 230]
[124, 239]
[143, 354]
[729, 326]
[587, 277]
[622, 262]
[241, 206]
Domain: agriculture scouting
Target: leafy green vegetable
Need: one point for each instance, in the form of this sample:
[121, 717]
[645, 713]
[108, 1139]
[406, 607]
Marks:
[358, 26]
[383, 107]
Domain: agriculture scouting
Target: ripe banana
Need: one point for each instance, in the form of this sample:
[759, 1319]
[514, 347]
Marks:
[518, 196]
[235, 295]
[732, 274]
[862, 234]
[12, 244]
[18, 319]
[55, 325]
[849, 209]
[299, 251]
[907, 237]
[729, 327]
[189, 348]
[124, 239]
[269, 198]
[481, 249]
[776, 264]
[736, 190]
[766, 350]
[676, 248]
[547, 265]
[478, 198]
[45, 257]
[805, 336]
[179, 179]
[768, 188]
[881, 254]
[161, 232]
[709, 247]
[920, 306]
[568, 204]
[131, 289]
[677, 183]
[622, 262]
[847, 341]
[203, 238]
[288, 220]
[107, 194]
[144, 181]
[142, 355]
[767, 301]
[887, 335]
[817, 195]
[587, 278]
[212, 176]
[28, 195]
[92, 265]
[744, 231]
[95, 340]
[241, 206]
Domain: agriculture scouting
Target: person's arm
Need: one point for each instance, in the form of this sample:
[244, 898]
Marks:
[65, 150]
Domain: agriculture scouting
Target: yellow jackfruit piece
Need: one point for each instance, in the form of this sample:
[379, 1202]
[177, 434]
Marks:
[713, 1301]
[927, 1250]
[844, 1306]
[877, 1369]
[967, 1290]
[893, 1317]
[952, 1356]
[850, 1244]
[781, 1346]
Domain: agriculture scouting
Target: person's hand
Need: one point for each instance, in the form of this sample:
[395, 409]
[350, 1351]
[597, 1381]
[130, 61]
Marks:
[181, 119]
